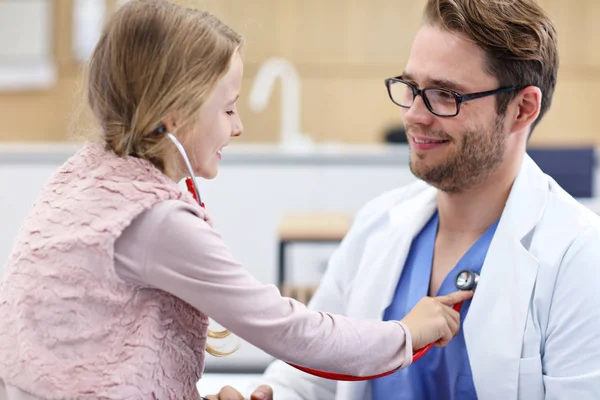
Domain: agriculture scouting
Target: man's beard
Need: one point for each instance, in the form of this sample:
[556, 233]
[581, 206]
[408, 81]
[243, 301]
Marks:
[478, 155]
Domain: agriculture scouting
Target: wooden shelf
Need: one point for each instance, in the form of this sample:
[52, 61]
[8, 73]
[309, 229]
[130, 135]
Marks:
[315, 226]
[302, 293]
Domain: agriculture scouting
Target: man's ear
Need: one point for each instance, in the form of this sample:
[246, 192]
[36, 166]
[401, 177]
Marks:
[528, 103]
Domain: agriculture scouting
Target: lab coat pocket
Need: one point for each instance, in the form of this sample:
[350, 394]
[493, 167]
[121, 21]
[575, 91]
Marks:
[531, 382]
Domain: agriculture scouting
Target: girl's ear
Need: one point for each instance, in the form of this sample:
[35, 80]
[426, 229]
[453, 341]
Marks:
[171, 122]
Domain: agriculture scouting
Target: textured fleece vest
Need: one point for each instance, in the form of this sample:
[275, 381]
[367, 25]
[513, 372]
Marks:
[70, 328]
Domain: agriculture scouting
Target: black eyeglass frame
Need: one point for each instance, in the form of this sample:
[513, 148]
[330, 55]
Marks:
[459, 98]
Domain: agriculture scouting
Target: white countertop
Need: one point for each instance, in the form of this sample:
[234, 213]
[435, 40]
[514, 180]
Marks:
[42, 153]
[212, 383]
[235, 154]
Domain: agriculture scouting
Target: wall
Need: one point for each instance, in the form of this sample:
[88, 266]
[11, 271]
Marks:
[343, 50]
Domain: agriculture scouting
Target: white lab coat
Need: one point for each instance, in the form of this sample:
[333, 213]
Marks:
[533, 327]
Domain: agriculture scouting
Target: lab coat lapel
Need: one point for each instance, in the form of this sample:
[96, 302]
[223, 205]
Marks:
[385, 254]
[497, 316]
[381, 266]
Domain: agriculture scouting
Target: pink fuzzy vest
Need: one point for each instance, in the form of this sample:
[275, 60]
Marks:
[69, 326]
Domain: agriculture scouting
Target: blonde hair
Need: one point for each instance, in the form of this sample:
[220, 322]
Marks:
[153, 58]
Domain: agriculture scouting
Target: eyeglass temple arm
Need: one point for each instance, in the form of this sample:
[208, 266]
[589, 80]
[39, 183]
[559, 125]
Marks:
[478, 95]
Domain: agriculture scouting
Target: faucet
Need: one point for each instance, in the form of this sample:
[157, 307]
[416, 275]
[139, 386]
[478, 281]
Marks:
[87, 21]
[262, 88]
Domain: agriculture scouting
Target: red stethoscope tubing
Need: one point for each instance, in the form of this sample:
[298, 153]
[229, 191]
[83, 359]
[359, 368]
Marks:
[330, 375]
[350, 378]
[190, 187]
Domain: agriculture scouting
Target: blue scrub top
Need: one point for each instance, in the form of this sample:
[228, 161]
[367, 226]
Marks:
[442, 373]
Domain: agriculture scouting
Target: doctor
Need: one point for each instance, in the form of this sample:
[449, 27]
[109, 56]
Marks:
[480, 77]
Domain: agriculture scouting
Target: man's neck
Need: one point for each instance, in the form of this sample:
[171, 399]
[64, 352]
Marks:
[471, 212]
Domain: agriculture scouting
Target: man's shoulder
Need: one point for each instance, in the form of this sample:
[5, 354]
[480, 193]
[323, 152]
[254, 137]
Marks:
[563, 211]
[565, 220]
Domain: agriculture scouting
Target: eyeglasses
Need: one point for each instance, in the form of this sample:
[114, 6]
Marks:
[440, 102]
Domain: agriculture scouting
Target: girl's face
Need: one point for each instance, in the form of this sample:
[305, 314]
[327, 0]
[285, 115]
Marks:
[218, 122]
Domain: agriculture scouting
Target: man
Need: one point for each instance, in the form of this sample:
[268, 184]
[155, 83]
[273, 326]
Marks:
[480, 76]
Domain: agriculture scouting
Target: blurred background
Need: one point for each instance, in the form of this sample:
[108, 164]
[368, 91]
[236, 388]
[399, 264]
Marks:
[341, 51]
[321, 136]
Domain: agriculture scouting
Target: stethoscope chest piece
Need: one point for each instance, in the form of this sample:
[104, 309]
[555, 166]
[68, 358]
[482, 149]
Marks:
[467, 280]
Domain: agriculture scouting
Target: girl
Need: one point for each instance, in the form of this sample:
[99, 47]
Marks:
[116, 270]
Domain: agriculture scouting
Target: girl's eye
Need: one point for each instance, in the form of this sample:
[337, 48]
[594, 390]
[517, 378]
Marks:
[230, 112]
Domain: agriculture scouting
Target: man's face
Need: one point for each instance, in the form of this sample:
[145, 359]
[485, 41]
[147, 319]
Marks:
[466, 148]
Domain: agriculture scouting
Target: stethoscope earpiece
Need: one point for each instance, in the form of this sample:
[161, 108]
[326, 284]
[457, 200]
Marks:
[161, 129]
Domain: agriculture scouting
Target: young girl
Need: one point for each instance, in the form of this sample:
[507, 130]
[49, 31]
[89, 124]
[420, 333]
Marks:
[116, 270]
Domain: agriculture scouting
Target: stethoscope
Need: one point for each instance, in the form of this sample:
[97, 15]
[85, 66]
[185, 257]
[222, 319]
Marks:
[190, 182]
[465, 280]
